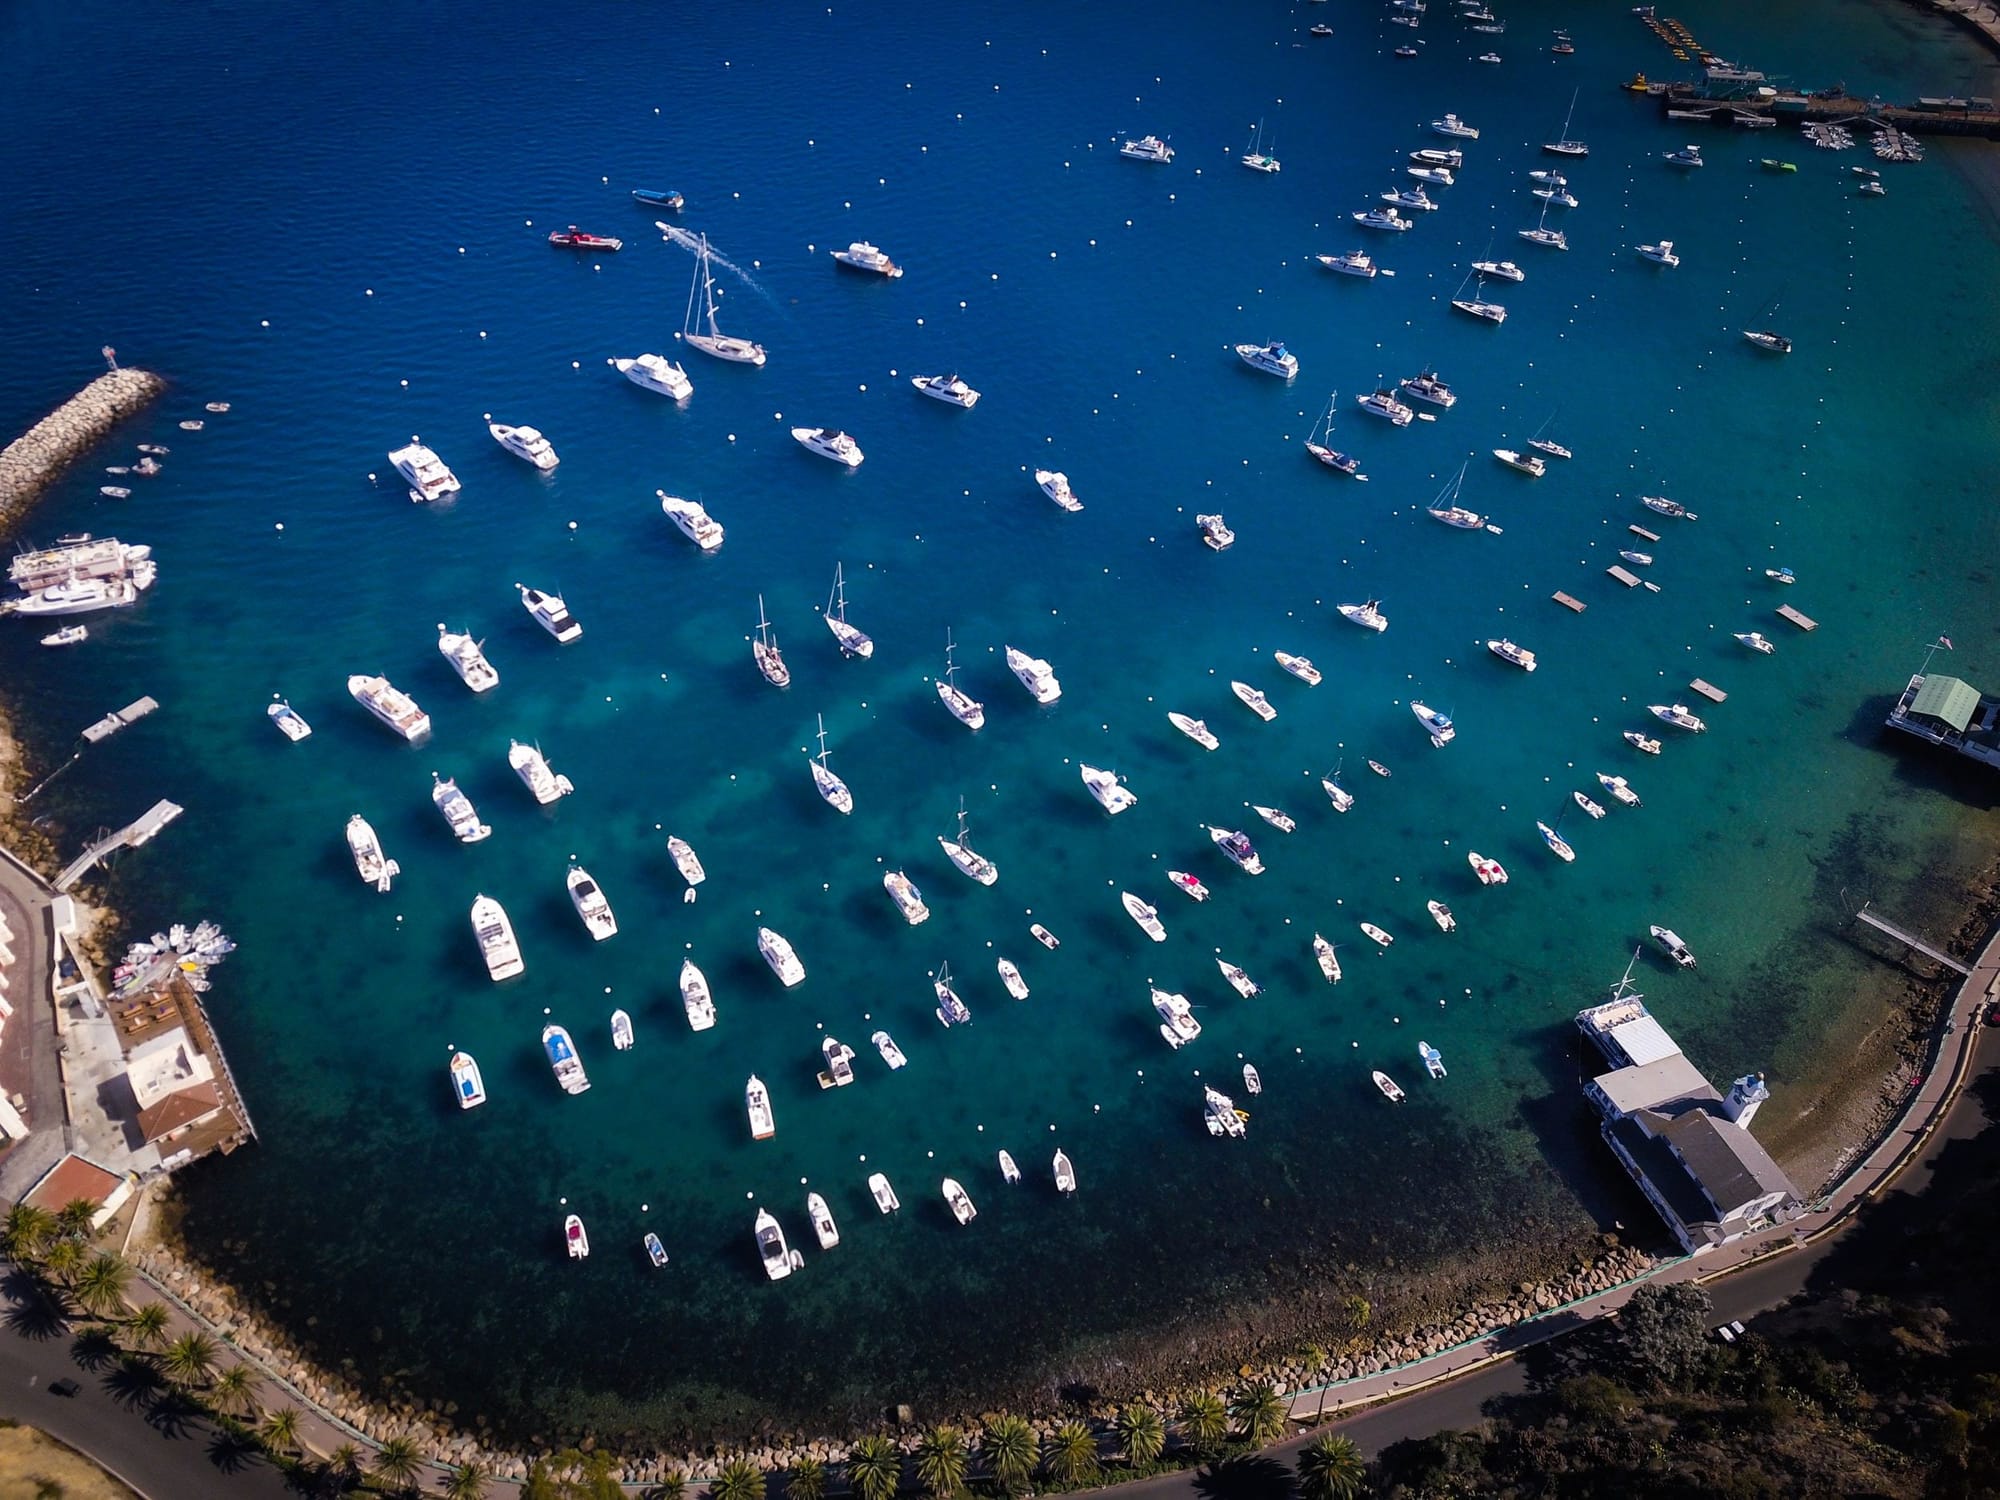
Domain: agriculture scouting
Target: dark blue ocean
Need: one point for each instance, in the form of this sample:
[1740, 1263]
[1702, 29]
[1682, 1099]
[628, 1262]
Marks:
[334, 219]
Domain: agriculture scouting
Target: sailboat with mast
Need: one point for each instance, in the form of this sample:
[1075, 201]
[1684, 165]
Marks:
[698, 330]
[960, 852]
[1447, 509]
[1320, 445]
[1541, 440]
[1541, 234]
[1256, 158]
[1477, 304]
[1563, 145]
[831, 788]
[852, 641]
[765, 650]
[967, 710]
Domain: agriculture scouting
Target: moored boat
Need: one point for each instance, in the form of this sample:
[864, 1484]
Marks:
[1035, 674]
[1678, 715]
[466, 1085]
[1194, 729]
[1105, 786]
[891, 1053]
[1558, 846]
[862, 256]
[1620, 789]
[467, 659]
[457, 810]
[780, 956]
[1433, 1059]
[824, 1229]
[591, 904]
[1009, 1172]
[960, 852]
[839, 1060]
[1593, 809]
[1507, 651]
[495, 935]
[1532, 464]
[1145, 914]
[1441, 914]
[1221, 1116]
[883, 1194]
[655, 1251]
[701, 314]
[692, 521]
[75, 635]
[1437, 725]
[1367, 615]
[533, 769]
[947, 388]
[621, 1030]
[852, 641]
[424, 472]
[550, 612]
[1239, 980]
[1010, 976]
[683, 856]
[757, 1105]
[575, 1239]
[1391, 1090]
[1341, 798]
[390, 704]
[1178, 1026]
[1329, 961]
[1147, 148]
[1254, 700]
[657, 373]
[951, 1007]
[1353, 263]
[830, 442]
[832, 790]
[958, 1201]
[573, 238]
[1756, 641]
[764, 651]
[659, 198]
[696, 999]
[1382, 403]
[1272, 358]
[1065, 1173]
[1239, 849]
[1489, 871]
[1671, 945]
[525, 443]
[1188, 885]
[563, 1061]
[909, 900]
[1055, 484]
[1215, 532]
[370, 863]
[1376, 935]
[1278, 819]
[287, 720]
[779, 1259]
[1642, 742]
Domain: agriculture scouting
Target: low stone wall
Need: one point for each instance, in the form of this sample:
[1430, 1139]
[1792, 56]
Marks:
[32, 461]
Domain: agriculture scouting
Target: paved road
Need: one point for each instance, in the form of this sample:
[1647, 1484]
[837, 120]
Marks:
[30, 1037]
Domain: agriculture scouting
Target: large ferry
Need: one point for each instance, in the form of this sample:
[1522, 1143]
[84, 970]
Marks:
[391, 705]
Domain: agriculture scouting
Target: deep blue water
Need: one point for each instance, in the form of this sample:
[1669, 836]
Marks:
[334, 219]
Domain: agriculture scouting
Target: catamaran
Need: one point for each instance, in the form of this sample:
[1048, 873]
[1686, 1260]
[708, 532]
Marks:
[832, 790]
[701, 315]
[961, 854]
[1319, 445]
[590, 903]
[1055, 484]
[968, 711]
[1255, 157]
[696, 998]
[533, 769]
[1036, 675]
[1194, 729]
[764, 650]
[1145, 914]
[563, 1061]
[1238, 847]
[495, 935]
[1111, 794]
[852, 641]
[467, 659]
[1239, 981]
[909, 900]
[780, 956]
[369, 862]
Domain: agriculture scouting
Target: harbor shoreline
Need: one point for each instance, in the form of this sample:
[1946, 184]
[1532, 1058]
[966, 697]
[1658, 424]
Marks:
[34, 460]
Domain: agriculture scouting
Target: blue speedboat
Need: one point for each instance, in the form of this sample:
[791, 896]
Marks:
[658, 198]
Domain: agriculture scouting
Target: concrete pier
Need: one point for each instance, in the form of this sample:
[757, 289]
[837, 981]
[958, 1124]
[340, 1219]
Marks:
[32, 461]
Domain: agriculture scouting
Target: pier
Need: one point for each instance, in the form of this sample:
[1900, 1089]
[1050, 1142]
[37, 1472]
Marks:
[1687, 102]
[33, 461]
[1911, 942]
[131, 836]
[111, 723]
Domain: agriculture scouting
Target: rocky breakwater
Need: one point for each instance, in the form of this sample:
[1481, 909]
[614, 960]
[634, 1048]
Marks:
[33, 460]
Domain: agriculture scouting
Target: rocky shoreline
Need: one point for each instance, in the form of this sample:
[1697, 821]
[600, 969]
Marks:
[32, 461]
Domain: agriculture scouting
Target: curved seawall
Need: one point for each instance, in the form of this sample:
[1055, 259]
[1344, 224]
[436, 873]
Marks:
[35, 458]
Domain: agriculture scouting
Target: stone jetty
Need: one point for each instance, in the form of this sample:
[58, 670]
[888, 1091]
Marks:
[32, 461]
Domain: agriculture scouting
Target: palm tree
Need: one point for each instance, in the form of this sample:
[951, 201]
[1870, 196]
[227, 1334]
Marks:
[1008, 1446]
[100, 1286]
[398, 1462]
[466, 1482]
[28, 1231]
[74, 1219]
[342, 1469]
[280, 1430]
[806, 1480]
[1141, 1434]
[942, 1460]
[1205, 1421]
[875, 1468]
[234, 1391]
[739, 1480]
[1072, 1453]
[670, 1487]
[1260, 1413]
[63, 1260]
[189, 1359]
[1330, 1468]
[147, 1327]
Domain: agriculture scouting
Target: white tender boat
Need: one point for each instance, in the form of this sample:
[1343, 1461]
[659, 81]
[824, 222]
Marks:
[1367, 614]
[657, 373]
[1507, 651]
[951, 1010]
[1178, 1026]
[1254, 700]
[1147, 148]
[369, 861]
[1506, 270]
[1593, 809]
[779, 955]
[1010, 976]
[549, 612]
[1279, 820]
[1676, 714]
[1383, 403]
[1671, 945]
[1238, 847]
[75, 635]
[495, 935]
[621, 1030]
[1299, 666]
[683, 855]
[891, 1053]
[852, 641]
[1489, 871]
[575, 1239]
[457, 810]
[1433, 1059]
[839, 1060]
[1452, 125]
[968, 710]
[287, 720]
[1043, 936]
[1642, 742]
[590, 904]
[1272, 358]
[1188, 885]
[1437, 725]
[1532, 464]
[884, 1195]
[467, 659]
[1376, 934]
[692, 521]
[533, 769]
[563, 1061]
[1145, 914]
[824, 1229]
[1215, 532]
[424, 472]
[960, 853]
[466, 1084]
[698, 330]
[1036, 675]
[1661, 254]
[391, 705]
[655, 1251]
[1194, 729]
[779, 1259]
[1389, 1087]
[947, 388]
[957, 1201]
[1105, 786]
[764, 650]
[1558, 846]
[832, 790]
[1065, 1173]
[1353, 263]
[909, 900]
[1055, 484]
[1220, 1114]
[1441, 914]
[1329, 961]
[862, 256]
[1620, 789]
[696, 999]
[1009, 1172]
[757, 1104]
[526, 443]
[830, 442]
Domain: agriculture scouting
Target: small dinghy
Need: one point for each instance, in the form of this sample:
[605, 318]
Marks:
[621, 1031]
[1065, 1174]
[884, 1195]
[1595, 809]
[1389, 1087]
[1441, 914]
[1009, 1173]
[1252, 1084]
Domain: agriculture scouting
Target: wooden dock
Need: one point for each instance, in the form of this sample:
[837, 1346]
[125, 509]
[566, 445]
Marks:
[1910, 942]
[131, 836]
[110, 724]
[1630, 580]
[1567, 602]
[1638, 530]
[1708, 690]
[1804, 622]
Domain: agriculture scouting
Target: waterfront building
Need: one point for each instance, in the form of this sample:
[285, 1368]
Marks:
[1951, 712]
[74, 1179]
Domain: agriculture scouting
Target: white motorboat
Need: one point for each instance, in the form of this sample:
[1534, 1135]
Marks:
[1452, 125]
[1427, 388]
[563, 1061]
[1439, 175]
[621, 1030]
[1437, 725]
[590, 904]
[1507, 651]
[1215, 531]
[549, 612]
[1550, 447]
[891, 1053]
[1272, 358]
[1687, 156]
[467, 659]
[1637, 559]
[1620, 789]
[1220, 1114]
[466, 1084]
[495, 935]
[1319, 443]
[1255, 157]
[657, 373]
[391, 705]
[1531, 464]
[1430, 156]
[1194, 729]
[1055, 484]
[1671, 945]
[862, 256]
[1661, 254]
[526, 443]
[1555, 197]
[779, 1259]
[780, 956]
[288, 720]
[1489, 871]
[1410, 197]
[1239, 980]
[1771, 343]
[1254, 700]
[1043, 936]
[1433, 1059]
[1389, 1087]
[961, 706]
[884, 1195]
[1642, 742]
[757, 1105]
[458, 810]
[909, 900]
[1661, 505]
[1506, 270]
[1677, 715]
[698, 330]
[1145, 914]
[1376, 934]
[1238, 847]
[764, 650]
[839, 1060]
[1383, 403]
[852, 641]
[1188, 885]
[1558, 846]
[1354, 263]
[1341, 798]
[374, 867]
[832, 790]
[1036, 675]
[824, 1229]
[424, 472]
[960, 853]
[1010, 976]
[1111, 794]
[696, 998]
[75, 635]
[1147, 148]
[1065, 1173]
[1756, 641]
[1329, 961]
[692, 521]
[79, 596]
[574, 1237]
[1252, 1082]
[947, 388]
[533, 769]
[957, 1201]
[1299, 666]
[1009, 1172]
[951, 1010]
[683, 855]
[1441, 914]
[1178, 1026]
[1593, 809]
[1383, 218]
[1367, 614]
[1279, 820]
[655, 1251]
[830, 442]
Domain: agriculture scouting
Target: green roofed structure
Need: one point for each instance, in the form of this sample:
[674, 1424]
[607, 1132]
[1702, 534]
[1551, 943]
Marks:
[1951, 712]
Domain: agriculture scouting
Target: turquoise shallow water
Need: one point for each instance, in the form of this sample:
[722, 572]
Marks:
[335, 223]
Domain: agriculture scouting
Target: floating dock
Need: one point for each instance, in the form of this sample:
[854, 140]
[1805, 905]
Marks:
[1630, 580]
[110, 724]
[1708, 690]
[1637, 530]
[1804, 622]
[131, 836]
[1567, 602]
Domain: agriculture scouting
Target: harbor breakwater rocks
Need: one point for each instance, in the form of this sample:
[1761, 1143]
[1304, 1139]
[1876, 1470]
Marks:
[33, 460]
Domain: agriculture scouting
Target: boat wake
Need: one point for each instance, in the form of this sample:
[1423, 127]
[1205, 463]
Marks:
[691, 243]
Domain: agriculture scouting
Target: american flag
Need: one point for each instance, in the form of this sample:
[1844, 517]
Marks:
[1945, 641]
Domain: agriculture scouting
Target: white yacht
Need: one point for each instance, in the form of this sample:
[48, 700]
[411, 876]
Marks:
[1446, 508]
[1036, 675]
[525, 443]
[1194, 729]
[951, 1010]
[956, 1200]
[832, 790]
[1354, 263]
[391, 705]
[1433, 1059]
[529, 764]
[288, 720]
[1439, 175]
[1531, 464]
[1677, 715]
[909, 900]
[1239, 981]
[574, 1237]
[1255, 157]
[967, 710]
[79, 596]
[1220, 1114]
[1756, 641]
[824, 1229]
[1147, 148]
[839, 1060]
[696, 998]
[684, 858]
[884, 1195]
[1272, 358]
[1238, 847]
[694, 523]
[655, 372]
[458, 810]
[1441, 914]
[1661, 505]
[1430, 156]
[891, 1054]
[1642, 742]
[563, 1061]
[1055, 484]
[424, 472]
[1110, 792]
[467, 659]
[549, 612]
[1009, 1172]
[862, 256]
[1410, 197]
[1065, 1173]
[852, 641]
[1215, 532]
[1637, 559]
[1329, 961]
[1671, 945]
[1319, 443]
[370, 863]
[1383, 403]
[1299, 666]
[1010, 976]
[1661, 254]
[1254, 700]
[1555, 197]
[1620, 789]
[1278, 819]
[1489, 871]
[757, 1105]
[1341, 798]
[1541, 234]
[1189, 885]
[1425, 386]
[698, 330]
[764, 649]
[1383, 218]
[1478, 305]
[1558, 845]
[779, 1261]
[1146, 915]
[829, 442]
[1437, 725]
[948, 388]
[1507, 651]
[590, 904]
[621, 1030]
[466, 1084]
[1687, 156]
[1452, 125]
[1368, 615]
[496, 939]
[779, 955]
[1771, 343]
[1549, 177]
[1506, 270]
[960, 853]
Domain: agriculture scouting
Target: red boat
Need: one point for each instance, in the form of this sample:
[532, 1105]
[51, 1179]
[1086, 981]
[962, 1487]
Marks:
[575, 239]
